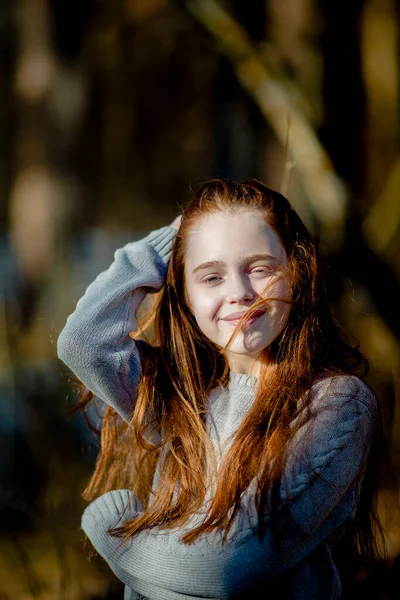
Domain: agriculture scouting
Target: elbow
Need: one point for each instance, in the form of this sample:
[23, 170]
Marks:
[64, 346]
[67, 349]
[72, 348]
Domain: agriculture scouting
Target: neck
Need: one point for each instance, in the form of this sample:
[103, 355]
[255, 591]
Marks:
[239, 363]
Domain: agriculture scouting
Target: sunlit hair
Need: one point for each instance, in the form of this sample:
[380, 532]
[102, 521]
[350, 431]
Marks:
[180, 368]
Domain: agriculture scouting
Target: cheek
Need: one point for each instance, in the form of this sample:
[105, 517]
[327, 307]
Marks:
[275, 289]
[190, 296]
[203, 305]
[279, 310]
[283, 309]
[283, 288]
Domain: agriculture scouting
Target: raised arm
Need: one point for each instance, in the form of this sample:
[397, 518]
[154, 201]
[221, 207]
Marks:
[95, 342]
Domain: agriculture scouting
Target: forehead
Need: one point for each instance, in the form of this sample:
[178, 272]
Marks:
[229, 237]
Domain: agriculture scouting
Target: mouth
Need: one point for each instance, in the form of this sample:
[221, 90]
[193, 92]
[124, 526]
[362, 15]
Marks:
[234, 318]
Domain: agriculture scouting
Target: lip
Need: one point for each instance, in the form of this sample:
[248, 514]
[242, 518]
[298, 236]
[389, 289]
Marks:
[234, 318]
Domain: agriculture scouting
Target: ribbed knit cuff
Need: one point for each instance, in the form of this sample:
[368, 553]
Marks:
[110, 510]
[161, 240]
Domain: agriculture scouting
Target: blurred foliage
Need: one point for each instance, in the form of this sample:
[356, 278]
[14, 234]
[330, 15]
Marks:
[110, 111]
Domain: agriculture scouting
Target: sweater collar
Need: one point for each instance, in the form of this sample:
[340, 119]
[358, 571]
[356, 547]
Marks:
[242, 381]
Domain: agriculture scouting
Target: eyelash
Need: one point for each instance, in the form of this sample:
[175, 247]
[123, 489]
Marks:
[209, 279]
[262, 270]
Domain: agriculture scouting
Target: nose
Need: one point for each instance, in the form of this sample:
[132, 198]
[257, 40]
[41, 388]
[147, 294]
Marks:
[239, 290]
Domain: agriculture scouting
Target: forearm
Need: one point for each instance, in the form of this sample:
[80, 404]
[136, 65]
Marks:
[95, 342]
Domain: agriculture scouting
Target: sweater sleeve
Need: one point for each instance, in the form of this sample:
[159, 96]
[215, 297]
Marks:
[95, 342]
[320, 491]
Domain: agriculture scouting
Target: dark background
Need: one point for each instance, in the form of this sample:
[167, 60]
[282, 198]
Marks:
[110, 111]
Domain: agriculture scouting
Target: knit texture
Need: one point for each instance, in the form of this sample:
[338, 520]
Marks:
[320, 487]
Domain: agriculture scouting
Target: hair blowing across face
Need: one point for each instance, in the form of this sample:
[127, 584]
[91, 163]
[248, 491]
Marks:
[182, 366]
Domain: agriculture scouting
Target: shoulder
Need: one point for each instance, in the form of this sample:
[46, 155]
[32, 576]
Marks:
[332, 434]
[337, 409]
[343, 389]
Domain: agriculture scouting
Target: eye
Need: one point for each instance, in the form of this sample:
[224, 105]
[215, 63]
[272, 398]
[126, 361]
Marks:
[211, 279]
[262, 271]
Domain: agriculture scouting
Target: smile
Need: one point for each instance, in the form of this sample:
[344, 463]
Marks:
[235, 318]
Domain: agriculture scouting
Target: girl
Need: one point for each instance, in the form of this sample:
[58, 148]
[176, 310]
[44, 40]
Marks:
[238, 448]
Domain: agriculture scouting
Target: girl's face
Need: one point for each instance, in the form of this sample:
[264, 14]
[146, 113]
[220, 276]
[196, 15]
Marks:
[231, 260]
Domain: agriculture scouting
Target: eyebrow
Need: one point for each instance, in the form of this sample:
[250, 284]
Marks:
[220, 263]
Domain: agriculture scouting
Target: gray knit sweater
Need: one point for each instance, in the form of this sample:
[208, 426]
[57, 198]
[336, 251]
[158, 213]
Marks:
[321, 489]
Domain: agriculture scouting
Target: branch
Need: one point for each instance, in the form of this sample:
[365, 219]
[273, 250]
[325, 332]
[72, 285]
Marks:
[383, 219]
[325, 191]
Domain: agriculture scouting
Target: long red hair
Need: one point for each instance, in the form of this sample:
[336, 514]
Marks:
[181, 367]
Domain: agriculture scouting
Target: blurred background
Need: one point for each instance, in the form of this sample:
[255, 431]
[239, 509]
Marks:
[110, 111]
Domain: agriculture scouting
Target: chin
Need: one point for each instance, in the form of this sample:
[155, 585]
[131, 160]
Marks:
[252, 350]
